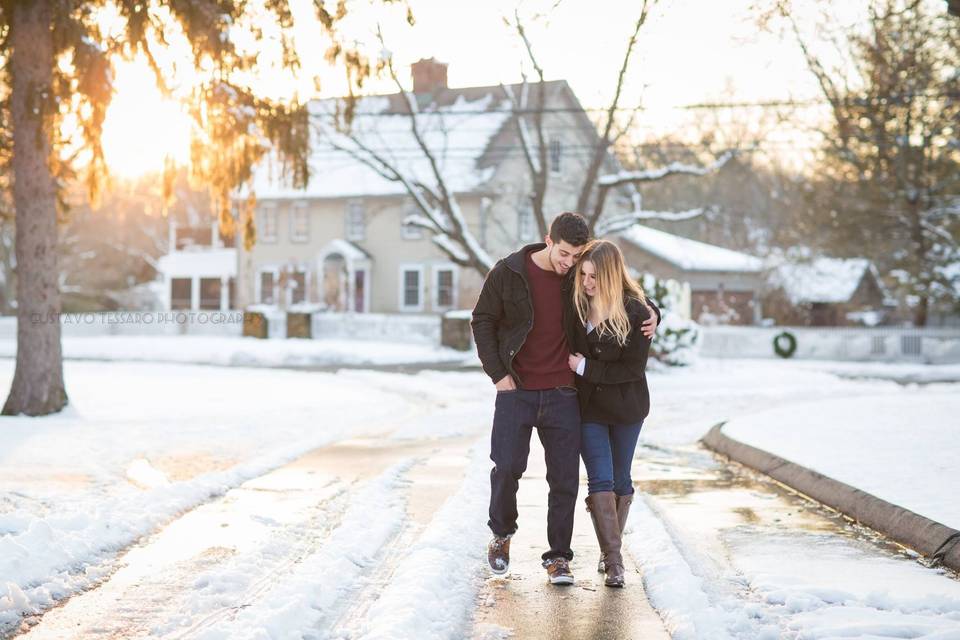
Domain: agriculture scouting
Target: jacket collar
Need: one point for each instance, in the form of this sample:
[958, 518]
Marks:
[516, 261]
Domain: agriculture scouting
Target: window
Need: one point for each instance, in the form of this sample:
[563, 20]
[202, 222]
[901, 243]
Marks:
[299, 222]
[232, 293]
[266, 288]
[356, 221]
[298, 287]
[409, 231]
[210, 294]
[525, 223]
[360, 290]
[192, 237]
[556, 151]
[181, 293]
[411, 288]
[445, 294]
[268, 223]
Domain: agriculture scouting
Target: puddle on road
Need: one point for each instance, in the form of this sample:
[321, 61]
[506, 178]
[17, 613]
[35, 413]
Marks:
[707, 493]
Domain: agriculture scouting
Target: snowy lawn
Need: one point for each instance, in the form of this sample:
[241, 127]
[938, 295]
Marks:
[686, 402]
[902, 446]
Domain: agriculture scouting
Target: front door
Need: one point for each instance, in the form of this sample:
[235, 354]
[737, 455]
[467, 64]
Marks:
[359, 290]
[335, 282]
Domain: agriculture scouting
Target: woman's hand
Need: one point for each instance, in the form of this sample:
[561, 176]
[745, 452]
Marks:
[574, 361]
[649, 326]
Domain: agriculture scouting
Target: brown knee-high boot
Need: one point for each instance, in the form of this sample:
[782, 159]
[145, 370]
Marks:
[603, 511]
[623, 510]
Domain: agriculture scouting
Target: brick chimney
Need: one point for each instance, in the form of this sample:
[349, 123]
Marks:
[428, 75]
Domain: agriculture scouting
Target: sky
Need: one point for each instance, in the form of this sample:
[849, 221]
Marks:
[689, 52]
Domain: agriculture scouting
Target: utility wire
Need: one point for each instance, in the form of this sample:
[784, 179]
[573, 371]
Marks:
[865, 100]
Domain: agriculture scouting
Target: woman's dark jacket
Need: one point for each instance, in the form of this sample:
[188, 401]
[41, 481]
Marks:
[613, 387]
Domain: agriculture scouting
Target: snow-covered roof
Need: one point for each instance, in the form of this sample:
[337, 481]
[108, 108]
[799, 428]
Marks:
[201, 263]
[458, 132]
[687, 254]
[821, 279]
[348, 250]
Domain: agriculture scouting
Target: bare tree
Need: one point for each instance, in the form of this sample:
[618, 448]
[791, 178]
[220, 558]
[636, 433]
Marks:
[603, 172]
[438, 209]
[891, 147]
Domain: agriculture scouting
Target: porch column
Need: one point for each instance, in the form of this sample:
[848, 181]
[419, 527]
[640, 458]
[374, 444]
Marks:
[351, 288]
[224, 293]
[195, 293]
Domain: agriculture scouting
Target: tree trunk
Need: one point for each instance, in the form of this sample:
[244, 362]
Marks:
[921, 262]
[38, 380]
[920, 314]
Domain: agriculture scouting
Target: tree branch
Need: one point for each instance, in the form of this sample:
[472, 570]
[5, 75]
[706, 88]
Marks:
[623, 222]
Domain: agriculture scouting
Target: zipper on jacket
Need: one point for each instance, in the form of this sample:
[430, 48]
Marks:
[513, 355]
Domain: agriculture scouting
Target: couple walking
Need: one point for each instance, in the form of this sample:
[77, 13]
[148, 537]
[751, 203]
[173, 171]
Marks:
[564, 332]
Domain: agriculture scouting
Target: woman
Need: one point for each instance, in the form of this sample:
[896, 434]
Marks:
[603, 321]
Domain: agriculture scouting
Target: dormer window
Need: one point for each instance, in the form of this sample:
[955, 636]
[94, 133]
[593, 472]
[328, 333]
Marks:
[556, 152]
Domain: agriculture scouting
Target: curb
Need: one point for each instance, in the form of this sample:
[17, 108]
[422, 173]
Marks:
[938, 542]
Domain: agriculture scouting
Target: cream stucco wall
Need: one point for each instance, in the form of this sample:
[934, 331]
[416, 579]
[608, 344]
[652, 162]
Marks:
[389, 250]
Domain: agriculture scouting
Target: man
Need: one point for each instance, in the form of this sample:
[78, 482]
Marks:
[518, 327]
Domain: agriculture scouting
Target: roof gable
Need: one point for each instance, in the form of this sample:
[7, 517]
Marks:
[465, 128]
[829, 280]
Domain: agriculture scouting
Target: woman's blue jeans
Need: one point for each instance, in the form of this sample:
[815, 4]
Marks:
[607, 451]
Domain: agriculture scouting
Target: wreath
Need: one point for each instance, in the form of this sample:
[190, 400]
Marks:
[784, 344]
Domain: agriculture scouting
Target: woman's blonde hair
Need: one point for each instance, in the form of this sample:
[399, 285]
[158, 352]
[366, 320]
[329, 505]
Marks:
[614, 287]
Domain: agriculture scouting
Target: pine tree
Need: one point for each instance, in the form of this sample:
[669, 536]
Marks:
[58, 59]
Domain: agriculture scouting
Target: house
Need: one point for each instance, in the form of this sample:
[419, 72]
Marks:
[341, 244]
[199, 271]
[947, 312]
[827, 291]
[725, 285]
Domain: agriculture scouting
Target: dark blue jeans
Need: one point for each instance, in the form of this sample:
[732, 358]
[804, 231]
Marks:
[556, 415]
[607, 451]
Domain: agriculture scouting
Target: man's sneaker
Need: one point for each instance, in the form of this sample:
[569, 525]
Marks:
[558, 570]
[498, 555]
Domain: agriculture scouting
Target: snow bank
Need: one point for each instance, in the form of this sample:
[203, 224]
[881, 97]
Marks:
[305, 599]
[677, 593]
[432, 593]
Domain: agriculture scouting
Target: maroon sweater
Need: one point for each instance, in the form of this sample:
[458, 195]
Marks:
[542, 363]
